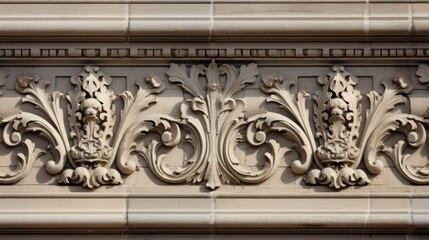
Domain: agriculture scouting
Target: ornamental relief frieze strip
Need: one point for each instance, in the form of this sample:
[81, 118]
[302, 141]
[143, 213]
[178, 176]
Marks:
[339, 143]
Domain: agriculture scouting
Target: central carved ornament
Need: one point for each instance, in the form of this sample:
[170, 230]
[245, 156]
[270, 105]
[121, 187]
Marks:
[96, 148]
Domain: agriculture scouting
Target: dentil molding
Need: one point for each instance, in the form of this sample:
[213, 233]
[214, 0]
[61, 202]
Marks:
[338, 142]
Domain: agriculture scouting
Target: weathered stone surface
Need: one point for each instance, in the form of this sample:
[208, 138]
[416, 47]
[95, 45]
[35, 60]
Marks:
[214, 119]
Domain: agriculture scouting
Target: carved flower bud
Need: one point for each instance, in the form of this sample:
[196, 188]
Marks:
[337, 106]
[89, 68]
[25, 79]
[270, 79]
[90, 106]
[214, 87]
[338, 68]
[154, 80]
[400, 80]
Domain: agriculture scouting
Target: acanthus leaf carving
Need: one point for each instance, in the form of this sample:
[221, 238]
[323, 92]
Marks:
[214, 120]
[337, 116]
[423, 73]
[3, 77]
[91, 117]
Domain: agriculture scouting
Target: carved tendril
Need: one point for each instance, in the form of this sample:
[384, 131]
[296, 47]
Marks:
[91, 117]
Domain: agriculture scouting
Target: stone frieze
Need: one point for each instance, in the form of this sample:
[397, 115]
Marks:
[337, 139]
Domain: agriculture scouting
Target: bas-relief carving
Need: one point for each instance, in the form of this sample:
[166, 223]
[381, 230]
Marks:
[217, 116]
[337, 145]
[87, 144]
[329, 137]
[3, 76]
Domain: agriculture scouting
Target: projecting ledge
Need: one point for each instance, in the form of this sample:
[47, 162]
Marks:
[206, 213]
[166, 20]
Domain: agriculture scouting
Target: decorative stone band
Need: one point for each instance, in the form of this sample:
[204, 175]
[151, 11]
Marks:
[161, 51]
[87, 151]
[213, 213]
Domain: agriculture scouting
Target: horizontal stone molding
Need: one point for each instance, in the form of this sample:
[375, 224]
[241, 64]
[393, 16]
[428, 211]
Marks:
[217, 20]
[155, 213]
[271, 51]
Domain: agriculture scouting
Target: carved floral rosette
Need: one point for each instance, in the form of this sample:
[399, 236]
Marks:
[92, 147]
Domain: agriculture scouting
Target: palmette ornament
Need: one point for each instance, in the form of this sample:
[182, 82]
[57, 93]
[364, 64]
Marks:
[91, 145]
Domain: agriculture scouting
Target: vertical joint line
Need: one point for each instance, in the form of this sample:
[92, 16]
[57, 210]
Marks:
[410, 217]
[211, 20]
[126, 205]
[127, 20]
[366, 21]
[212, 214]
[410, 21]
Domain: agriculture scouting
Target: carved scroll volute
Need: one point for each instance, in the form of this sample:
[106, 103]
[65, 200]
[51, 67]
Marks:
[212, 112]
[214, 120]
[337, 118]
[415, 129]
[91, 117]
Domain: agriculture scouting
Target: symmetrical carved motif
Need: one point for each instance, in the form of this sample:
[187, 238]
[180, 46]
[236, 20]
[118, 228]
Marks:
[337, 118]
[91, 118]
[89, 147]
[214, 119]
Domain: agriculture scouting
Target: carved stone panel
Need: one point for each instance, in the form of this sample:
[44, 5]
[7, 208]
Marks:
[334, 136]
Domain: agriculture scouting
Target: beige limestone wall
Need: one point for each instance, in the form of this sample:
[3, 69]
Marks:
[218, 139]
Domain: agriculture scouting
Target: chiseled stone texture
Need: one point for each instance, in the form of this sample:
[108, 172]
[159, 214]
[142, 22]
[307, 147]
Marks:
[214, 119]
[146, 202]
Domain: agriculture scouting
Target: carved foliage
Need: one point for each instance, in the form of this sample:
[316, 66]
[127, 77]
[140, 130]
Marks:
[214, 119]
[337, 116]
[3, 76]
[423, 73]
[85, 148]
[87, 144]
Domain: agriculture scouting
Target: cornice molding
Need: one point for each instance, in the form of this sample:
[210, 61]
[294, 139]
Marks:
[213, 21]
